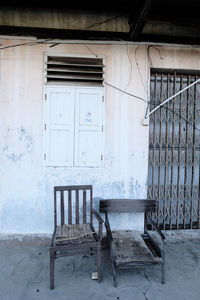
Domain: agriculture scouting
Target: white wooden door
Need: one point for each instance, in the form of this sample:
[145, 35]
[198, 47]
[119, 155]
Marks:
[59, 126]
[89, 127]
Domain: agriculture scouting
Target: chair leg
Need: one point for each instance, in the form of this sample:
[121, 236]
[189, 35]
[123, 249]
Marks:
[163, 273]
[91, 249]
[52, 267]
[98, 256]
[114, 269]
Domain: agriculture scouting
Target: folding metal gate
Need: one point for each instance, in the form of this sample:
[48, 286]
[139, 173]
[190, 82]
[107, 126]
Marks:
[174, 149]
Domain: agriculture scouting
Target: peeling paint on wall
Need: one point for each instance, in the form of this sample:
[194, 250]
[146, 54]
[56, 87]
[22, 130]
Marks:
[14, 157]
[18, 142]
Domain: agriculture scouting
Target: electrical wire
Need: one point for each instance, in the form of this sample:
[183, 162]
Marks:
[26, 44]
[148, 52]
[92, 25]
[137, 64]
[117, 88]
[131, 67]
[179, 115]
[48, 40]
[108, 84]
[100, 23]
[144, 100]
[129, 94]
[174, 95]
[157, 49]
[163, 106]
[99, 59]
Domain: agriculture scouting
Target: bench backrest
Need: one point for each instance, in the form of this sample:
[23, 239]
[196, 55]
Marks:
[73, 204]
[127, 206]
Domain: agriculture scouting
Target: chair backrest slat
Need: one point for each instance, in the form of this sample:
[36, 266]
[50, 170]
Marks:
[55, 209]
[91, 206]
[84, 206]
[72, 204]
[62, 207]
[69, 207]
[127, 205]
[77, 207]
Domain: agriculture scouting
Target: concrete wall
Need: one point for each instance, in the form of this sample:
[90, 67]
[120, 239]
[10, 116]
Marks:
[26, 186]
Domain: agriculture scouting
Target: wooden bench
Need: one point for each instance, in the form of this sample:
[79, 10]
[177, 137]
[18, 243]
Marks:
[131, 248]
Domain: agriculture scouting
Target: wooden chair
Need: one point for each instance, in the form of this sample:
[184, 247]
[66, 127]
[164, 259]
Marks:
[131, 248]
[74, 233]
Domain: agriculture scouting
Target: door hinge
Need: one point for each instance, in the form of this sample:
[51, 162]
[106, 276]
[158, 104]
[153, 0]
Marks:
[101, 157]
[45, 156]
[102, 98]
[45, 126]
[102, 128]
[45, 96]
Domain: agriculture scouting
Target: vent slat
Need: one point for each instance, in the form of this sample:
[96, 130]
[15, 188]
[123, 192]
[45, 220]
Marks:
[68, 70]
[74, 64]
[81, 70]
[74, 77]
[75, 83]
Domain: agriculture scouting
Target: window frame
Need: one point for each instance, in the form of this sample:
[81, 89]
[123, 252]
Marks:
[45, 85]
[59, 87]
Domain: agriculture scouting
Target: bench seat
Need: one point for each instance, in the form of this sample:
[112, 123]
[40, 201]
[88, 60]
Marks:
[129, 247]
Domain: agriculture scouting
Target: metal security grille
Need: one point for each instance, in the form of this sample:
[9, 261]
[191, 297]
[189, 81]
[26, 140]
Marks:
[174, 149]
[74, 70]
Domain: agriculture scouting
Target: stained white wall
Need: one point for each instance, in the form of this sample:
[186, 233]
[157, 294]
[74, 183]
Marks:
[26, 186]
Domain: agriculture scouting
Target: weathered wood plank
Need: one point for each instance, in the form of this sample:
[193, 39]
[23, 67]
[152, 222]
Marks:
[129, 247]
[127, 205]
[72, 187]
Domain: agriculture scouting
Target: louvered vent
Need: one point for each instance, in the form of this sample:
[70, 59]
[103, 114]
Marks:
[74, 70]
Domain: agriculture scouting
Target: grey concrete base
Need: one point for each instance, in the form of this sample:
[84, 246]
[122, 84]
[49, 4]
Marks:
[24, 267]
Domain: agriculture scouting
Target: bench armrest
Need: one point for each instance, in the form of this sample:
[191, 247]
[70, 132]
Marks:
[53, 236]
[154, 225]
[108, 229]
[162, 237]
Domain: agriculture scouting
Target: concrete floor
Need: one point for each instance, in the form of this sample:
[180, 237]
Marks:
[24, 269]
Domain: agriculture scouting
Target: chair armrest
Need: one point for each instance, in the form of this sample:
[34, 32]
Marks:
[100, 221]
[154, 225]
[53, 236]
[98, 217]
